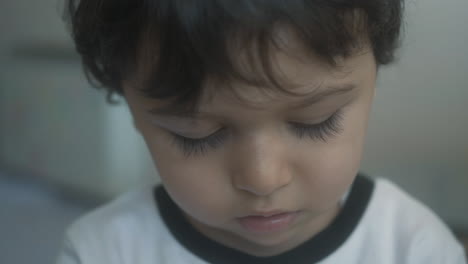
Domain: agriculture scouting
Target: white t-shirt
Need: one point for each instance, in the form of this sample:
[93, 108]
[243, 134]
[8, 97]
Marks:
[378, 224]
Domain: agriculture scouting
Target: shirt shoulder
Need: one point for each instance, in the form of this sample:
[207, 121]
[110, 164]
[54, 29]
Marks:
[116, 231]
[406, 230]
[133, 209]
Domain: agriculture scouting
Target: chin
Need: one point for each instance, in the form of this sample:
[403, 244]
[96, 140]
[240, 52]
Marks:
[267, 245]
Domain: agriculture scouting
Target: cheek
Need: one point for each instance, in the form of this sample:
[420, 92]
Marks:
[337, 169]
[326, 176]
[330, 168]
[199, 186]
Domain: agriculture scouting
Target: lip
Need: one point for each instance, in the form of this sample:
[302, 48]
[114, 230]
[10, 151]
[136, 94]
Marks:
[268, 222]
[269, 213]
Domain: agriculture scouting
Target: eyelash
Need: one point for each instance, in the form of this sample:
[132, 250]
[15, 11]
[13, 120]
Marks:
[191, 146]
[321, 131]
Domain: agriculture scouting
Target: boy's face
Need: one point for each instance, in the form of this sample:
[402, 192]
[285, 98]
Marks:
[263, 172]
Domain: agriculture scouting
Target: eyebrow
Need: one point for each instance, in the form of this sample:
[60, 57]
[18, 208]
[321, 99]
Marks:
[323, 94]
[316, 97]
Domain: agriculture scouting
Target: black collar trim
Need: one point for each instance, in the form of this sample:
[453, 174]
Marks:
[315, 249]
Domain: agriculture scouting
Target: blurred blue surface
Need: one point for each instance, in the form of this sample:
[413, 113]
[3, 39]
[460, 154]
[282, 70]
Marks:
[33, 218]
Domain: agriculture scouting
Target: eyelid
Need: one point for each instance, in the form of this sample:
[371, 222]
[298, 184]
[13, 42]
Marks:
[320, 131]
[323, 130]
[296, 123]
[310, 124]
[314, 121]
[181, 134]
[183, 129]
[192, 146]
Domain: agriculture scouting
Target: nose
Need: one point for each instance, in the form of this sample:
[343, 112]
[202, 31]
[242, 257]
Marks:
[261, 167]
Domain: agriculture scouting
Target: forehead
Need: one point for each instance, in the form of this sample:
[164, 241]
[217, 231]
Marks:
[292, 72]
[308, 83]
[299, 78]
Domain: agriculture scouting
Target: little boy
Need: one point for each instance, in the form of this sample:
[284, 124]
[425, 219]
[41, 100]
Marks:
[255, 113]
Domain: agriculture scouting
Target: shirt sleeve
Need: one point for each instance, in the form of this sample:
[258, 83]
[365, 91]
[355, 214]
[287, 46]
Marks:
[68, 254]
[457, 257]
[438, 248]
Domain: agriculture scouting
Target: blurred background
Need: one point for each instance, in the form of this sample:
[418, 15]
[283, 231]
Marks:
[64, 151]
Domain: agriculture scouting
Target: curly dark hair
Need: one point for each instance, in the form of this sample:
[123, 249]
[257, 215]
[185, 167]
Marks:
[173, 46]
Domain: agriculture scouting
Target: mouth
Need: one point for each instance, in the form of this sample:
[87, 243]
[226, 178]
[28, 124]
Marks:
[268, 222]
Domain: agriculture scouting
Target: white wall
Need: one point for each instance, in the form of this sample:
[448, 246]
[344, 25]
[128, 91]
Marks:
[417, 135]
[419, 127]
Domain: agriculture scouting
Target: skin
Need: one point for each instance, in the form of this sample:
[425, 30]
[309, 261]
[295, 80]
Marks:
[262, 164]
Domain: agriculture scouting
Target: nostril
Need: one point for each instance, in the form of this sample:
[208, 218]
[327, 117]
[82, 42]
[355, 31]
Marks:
[258, 188]
[261, 166]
